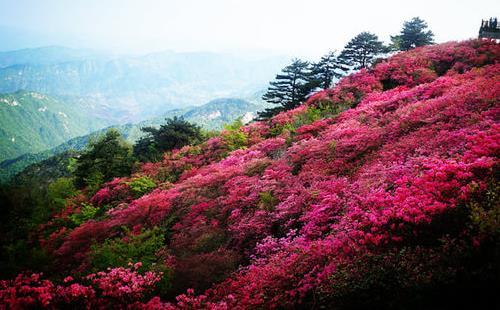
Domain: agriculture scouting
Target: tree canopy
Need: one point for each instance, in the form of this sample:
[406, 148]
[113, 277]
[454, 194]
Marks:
[107, 157]
[175, 133]
[289, 88]
[413, 34]
[361, 51]
[326, 70]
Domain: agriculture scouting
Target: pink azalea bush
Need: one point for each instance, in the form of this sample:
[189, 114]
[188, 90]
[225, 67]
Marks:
[115, 287]
[383, 182]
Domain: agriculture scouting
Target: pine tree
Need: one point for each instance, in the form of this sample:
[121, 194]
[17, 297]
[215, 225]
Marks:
[412, 35]
[289, 88]
[327, 69]
[361, 51]
[105, 158]
[174, 134]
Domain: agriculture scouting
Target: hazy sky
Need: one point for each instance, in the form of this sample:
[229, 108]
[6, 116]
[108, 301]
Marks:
[301, 28]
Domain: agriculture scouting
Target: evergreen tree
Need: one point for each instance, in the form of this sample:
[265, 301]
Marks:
[412, 35]
[328, 68]
[174, 134]
[105, 158]
[361, 51]
[289, 88]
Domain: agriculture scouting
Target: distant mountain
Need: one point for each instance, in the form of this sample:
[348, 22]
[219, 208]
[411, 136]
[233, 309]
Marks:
[131, 89]
[31, 122]
[46, 56]
[212, 115]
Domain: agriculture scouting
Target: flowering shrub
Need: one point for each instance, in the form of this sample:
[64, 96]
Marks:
[115, 287]
[113, 192]
[379, 187]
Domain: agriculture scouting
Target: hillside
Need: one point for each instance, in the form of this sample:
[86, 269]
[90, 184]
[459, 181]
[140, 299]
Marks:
[211, 116]
[131, 89]
[31, 122]
[379, 193]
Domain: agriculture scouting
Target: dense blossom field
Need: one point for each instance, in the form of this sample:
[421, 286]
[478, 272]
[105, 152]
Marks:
[380, 191]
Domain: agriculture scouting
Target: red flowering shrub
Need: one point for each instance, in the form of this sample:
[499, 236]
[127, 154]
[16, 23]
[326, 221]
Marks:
[117, 287]
[383, 184]
[113, 192]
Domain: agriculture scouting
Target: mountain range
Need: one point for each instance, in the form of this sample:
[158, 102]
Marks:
[31, 122]
[210, 116]
[133, 88]
[43, 92]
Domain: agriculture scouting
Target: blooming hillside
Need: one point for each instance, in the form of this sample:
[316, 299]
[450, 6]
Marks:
[378, 192]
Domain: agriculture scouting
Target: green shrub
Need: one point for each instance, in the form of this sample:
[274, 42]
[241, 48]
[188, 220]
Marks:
[142, 185]
[234, 137]
[485, 211]
[94, 182]
[132, 248]
[59, 191]
[87, 212]
[267, 201]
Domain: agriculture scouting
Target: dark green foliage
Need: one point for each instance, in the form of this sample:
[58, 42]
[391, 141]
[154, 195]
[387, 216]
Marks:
[413, 34]
[59, 191]
[30, 200]
[107, 157]
[451, 275]
[326, 70]
[174, 134]
[144, 246]
[141, 247]
[87, 212]
[361, 51]
[289, 88]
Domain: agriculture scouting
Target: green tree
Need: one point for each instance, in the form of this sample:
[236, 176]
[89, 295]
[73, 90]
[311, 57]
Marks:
[289, 88]
[413, 34]
[327, 69]
[361, 51]
[174, 134]
[234, 137]
[59, 191]
[105, 158]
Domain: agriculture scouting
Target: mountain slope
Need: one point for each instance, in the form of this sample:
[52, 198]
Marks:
[381, 192]
[211, 116]
[131, 89]
[31, 122]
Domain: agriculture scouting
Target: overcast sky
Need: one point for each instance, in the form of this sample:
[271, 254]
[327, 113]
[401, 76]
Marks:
[300, 28]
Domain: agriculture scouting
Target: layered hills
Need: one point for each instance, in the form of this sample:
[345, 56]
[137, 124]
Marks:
[210, 116]
[134, 88]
